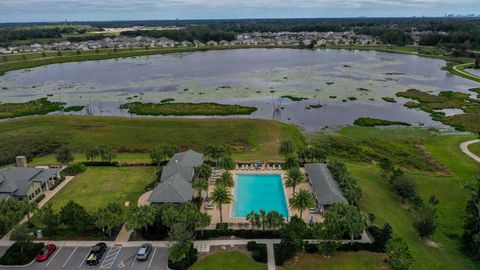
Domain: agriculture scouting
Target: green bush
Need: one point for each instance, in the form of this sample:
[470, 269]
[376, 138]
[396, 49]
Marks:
[75, 168]
[251, 245]
[260, 253]
[190, 259]
[13, 255]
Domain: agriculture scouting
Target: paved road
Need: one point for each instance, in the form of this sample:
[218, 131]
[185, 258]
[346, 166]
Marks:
[116, 257]
[464, 148]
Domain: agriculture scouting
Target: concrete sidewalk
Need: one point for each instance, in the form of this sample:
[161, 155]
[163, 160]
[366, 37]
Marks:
[464, 148]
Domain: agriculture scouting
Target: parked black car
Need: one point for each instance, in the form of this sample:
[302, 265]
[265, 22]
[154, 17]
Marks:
[96, 254]
[143, 252]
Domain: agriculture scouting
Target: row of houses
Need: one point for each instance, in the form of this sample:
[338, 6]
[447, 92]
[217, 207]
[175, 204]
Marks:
[257, 38]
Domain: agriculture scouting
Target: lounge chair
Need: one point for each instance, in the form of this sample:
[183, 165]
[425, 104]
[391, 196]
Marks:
[236, 167]
[279, 167]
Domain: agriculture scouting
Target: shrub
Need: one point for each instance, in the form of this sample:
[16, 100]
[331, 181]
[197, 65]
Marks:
[190, 259]
[425, 221]
[329, 248]
[311, 248]
[75, 169]
[404, 187]
[251, 245]
[13, 256]
[40, 198]
[260, 253]
[399, 255]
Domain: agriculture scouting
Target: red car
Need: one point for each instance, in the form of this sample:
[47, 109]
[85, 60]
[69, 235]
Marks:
[46, 252]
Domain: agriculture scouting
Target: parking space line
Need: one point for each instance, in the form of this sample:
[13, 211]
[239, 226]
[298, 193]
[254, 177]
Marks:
[151, 259]
[55, 255]
[69, 257]
[105, 256]
[84, 259]
[133, 262]
[111, 256]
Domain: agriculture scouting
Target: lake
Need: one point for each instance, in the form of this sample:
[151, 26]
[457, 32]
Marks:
[254, 77]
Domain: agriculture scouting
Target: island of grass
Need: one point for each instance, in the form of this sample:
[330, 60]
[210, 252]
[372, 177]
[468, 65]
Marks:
[186, 109]
[34, 107]
[314, 106]
[476, 90]
[430, 103]
[74, 108]
[294, 98]
[389, 99]
[374, 122]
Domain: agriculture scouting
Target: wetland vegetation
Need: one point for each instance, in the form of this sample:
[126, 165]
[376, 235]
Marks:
[178, 109]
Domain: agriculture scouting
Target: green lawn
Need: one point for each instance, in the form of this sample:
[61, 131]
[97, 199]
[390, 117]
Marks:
[227, 260]
[378, 198]
[475, 148]
[98, 186]
[249, 138]
[341, 261]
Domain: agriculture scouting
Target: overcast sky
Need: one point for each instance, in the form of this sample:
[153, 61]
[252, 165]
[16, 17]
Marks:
[59, 10]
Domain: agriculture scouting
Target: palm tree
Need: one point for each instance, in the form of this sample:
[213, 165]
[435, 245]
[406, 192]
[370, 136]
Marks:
[28, 208]
[302, 201]
[204, 171]
[219, 197]
[286, 147]
[274, 219]
[227, 163]
[294, 178]
[200, 185]
[263, 218]
[225, 180]
[254, 219]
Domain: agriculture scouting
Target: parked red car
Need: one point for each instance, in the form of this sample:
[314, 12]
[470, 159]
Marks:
[46, 252]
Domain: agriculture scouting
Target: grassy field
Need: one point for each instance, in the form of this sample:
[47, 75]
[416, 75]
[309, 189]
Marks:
[250, 138]
[187, 109]
[98, 186]
[227, 260]
[341, 261]
[378, 198]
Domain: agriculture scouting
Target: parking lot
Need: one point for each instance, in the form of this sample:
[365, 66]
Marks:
[116, 257]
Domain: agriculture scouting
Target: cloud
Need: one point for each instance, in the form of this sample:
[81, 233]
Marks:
[25, 10]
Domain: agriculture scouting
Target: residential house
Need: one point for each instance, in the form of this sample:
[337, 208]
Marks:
[186, 43]
[176, 180]
[23, 183]
[325, 187]
[212, 43]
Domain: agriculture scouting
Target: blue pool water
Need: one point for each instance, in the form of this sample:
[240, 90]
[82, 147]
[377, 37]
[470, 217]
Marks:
[259, 191]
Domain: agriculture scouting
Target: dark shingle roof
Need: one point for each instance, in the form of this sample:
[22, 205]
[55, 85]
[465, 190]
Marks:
[18, 180]
[173, 190]
[326, 189]
[187, 158]
[176, 181]
[185, 171]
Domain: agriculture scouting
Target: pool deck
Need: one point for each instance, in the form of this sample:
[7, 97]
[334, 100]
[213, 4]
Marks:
[242, 223]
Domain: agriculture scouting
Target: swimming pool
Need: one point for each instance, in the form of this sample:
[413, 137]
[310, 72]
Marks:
[259, 191]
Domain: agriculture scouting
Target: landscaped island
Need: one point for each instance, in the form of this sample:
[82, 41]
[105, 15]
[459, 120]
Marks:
[373, 122]
[33, 107]
[184, 109]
